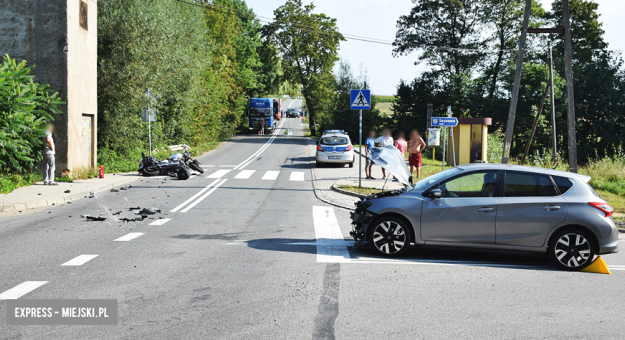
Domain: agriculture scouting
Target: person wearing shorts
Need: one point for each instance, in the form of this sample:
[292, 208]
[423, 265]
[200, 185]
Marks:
[415, 147]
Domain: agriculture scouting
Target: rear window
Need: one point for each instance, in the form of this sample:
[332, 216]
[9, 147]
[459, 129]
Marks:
[520, 184]
[334, 141]
[563, 183]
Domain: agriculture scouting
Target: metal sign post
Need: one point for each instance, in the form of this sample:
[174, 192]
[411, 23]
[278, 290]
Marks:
[445, 122]
[149, 115]
[360, 100]
[360, 153]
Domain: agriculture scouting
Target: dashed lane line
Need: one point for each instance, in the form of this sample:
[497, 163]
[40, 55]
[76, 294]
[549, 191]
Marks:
[194, 196]
[79, 260]
[21, 290]
[271, 175]
[203, 196]
[218, 174]
[128, 237]
[297, 176]
[160, 221]
[244, 174]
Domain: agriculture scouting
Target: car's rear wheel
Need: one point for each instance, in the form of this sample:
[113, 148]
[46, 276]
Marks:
[351, 165]
[389, 236]
[572, 249]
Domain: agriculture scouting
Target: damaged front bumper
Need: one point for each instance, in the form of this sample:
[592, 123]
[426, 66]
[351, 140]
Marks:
[362, 217]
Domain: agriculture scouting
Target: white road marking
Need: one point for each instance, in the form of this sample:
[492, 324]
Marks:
[203, 196]
[21, 290]
[194, 196]
[218, 174]
[160, 221]
[79, 260]
[192, 176]
[297, 176]
[244, 174]
[330, 239]
[263, 148]
[128, 237]
[271, 175]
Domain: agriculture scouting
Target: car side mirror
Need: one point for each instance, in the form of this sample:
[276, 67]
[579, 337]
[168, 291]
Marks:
[436, 193]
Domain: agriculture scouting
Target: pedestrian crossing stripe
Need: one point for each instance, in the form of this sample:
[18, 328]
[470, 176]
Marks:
[360, 101]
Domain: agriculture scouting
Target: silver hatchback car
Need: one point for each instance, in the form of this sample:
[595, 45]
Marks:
[495, 207]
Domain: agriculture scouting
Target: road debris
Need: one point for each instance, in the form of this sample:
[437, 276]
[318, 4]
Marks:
[114, 190]
[94, 218]
[67, 191]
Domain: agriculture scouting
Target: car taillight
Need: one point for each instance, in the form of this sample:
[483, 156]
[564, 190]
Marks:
[319, 148]
[606, 208]
[349, 148]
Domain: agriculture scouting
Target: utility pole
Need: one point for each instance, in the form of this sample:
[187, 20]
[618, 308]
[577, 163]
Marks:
[570, 107]
[515, 87]
[553, 106]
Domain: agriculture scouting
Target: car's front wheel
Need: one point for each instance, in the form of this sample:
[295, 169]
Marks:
[389, 236]
[572, 249]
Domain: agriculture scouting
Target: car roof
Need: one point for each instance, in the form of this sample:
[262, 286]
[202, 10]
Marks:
[514, 167]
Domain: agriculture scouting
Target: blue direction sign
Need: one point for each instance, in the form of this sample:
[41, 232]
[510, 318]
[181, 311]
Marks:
[444, 121]
[360, 100]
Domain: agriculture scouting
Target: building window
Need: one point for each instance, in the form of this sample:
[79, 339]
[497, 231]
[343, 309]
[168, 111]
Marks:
[83, 15]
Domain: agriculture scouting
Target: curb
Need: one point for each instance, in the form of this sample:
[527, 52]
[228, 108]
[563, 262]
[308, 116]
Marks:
[60, 199]
[314, 180]
[345, 192]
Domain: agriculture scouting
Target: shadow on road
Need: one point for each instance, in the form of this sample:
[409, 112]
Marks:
[415, 254]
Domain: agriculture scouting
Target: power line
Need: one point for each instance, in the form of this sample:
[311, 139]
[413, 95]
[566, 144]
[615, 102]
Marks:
[227, 10]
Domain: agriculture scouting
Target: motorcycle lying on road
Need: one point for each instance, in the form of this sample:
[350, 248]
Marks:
[178, 165]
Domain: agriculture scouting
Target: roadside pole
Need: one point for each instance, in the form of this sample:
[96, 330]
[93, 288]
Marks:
[570, 105]
[149, 127]
[360, 100]
[444, 145]
[360, 153]
[553, 105]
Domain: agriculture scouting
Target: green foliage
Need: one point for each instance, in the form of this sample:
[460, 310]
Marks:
[478, 83]
[308, 54]
[10, 182]
[25, 108]
[383, 99]
[336, 114]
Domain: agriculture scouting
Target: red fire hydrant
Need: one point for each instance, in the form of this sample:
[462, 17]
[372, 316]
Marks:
[101, 171]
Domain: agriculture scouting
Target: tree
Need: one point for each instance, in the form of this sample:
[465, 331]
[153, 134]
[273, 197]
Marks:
[439, 29]
[25, 108]
[309, 43]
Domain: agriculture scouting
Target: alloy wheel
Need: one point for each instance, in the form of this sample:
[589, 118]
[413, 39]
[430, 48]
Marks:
[573, 250]
[389, 237]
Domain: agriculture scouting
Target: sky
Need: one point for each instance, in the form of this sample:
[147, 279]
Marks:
[378, 18]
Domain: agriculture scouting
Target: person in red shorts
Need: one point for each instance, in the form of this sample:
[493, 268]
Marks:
[415, 147]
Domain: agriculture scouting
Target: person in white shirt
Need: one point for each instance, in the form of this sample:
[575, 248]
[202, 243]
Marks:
[48, 157]
[385, 140]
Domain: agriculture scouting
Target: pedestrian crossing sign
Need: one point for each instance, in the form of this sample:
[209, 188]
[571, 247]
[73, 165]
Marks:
[360, 100]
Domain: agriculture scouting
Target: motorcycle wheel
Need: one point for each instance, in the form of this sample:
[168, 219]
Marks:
[195, 165]
[151, 172]
[183, 173]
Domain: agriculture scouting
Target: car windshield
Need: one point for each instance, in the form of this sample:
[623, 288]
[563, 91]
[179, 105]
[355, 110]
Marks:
[260, 112]
[334, 140]
[426, 182]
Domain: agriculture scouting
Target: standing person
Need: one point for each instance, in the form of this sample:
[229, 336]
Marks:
[385, 140]
[48, 157]
[401, 145]
[415, 147]
[369, 143]
[262, 127]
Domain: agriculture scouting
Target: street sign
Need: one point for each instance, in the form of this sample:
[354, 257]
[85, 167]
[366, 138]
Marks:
[144, 116]
[434, 137]
[360, 99]
[445, 121]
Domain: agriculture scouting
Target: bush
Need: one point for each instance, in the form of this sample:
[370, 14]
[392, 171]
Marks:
[25, 108]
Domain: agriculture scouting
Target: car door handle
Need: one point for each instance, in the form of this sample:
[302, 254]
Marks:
[485, 209]
[552, 207]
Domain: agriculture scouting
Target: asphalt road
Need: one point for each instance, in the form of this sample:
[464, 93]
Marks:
[250, 253]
